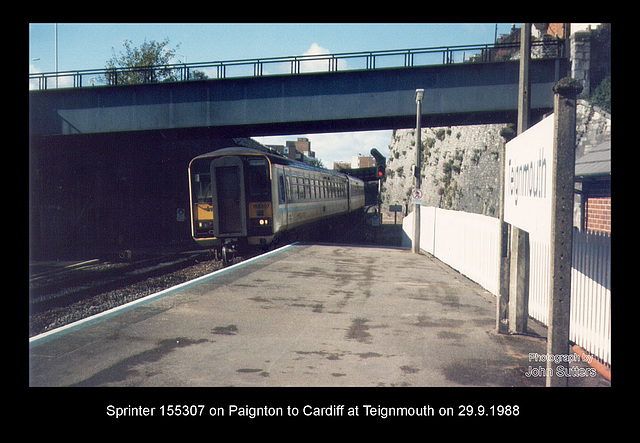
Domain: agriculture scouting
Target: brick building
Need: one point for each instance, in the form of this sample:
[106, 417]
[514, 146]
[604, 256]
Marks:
[296, 150]
[593, 181]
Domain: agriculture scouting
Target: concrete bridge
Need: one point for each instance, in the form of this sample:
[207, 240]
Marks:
[370, 99]
[108, 163]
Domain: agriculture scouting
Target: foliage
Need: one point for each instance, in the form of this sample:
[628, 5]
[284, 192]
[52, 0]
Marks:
[601, 96]
[136, 65]
[316, 162]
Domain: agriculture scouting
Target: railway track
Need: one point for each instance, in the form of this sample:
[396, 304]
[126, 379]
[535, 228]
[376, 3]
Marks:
[68, 285]
[69, 293]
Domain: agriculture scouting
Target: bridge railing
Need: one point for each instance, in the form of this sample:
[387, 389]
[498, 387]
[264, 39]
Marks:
[441, 55]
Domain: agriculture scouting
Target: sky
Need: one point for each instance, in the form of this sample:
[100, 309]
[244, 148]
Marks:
[89, 46]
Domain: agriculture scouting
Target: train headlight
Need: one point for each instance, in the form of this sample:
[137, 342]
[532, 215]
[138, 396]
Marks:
[205, 224]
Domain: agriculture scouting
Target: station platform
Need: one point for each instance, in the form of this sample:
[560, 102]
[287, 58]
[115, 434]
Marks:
[302, 315]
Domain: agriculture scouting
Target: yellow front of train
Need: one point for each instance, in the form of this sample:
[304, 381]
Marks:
[201, 203]
[231, 201]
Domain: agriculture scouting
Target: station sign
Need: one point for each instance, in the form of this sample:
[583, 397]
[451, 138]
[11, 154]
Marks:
[528, 179]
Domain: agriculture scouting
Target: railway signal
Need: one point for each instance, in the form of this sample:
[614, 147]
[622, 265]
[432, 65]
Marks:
[381, 164]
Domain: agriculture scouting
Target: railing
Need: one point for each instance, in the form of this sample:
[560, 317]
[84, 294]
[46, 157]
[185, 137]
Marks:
[441, 55]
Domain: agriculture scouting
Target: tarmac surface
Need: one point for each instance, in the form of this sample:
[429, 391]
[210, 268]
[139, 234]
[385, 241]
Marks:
[304, 315]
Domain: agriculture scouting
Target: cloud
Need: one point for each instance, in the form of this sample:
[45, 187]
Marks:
[339, 146]
[63, 81]
[33, 84]
[316, 60]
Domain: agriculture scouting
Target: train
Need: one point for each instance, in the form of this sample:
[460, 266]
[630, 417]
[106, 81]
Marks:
[244, 196]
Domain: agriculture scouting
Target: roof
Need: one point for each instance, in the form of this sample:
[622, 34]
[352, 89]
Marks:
[595, 162]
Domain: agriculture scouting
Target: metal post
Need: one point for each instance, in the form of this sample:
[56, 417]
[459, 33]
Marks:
[416, 207]
[564, 142]
[56, 51]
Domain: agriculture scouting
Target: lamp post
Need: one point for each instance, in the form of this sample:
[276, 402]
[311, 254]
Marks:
[416, 207]
[55, 38]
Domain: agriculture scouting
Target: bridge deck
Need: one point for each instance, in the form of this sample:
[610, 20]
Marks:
[467, 93]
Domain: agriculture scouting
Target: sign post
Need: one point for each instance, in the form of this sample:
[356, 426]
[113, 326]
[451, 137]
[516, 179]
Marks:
[395, 209]
[564, 143]
[519, 254]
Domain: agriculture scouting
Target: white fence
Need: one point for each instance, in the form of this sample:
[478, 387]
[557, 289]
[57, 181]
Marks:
[466, 242]
[469, 243]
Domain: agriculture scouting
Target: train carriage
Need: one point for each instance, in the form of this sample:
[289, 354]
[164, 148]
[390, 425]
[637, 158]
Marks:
[243, 196]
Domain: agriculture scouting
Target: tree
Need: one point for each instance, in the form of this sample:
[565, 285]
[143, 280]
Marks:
[316, 162]
[601, 96]
[145, 64]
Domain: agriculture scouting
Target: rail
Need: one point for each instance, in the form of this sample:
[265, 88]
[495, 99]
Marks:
[292, 65]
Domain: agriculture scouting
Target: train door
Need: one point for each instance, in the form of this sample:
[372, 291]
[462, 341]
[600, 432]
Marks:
[227, 180]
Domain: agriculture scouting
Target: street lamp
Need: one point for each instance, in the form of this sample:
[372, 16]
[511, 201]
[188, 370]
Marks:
[416, 207]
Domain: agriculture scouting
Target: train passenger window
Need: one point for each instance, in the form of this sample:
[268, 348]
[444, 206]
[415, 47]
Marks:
[294, 188]
[307, 186]
[281, 191]
[288, 188]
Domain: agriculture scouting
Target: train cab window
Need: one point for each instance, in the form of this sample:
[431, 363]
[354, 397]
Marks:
[201, 181]
[258, 180]
[202, 188]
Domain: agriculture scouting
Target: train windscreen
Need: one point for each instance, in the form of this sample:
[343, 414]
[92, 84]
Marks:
[259, 185]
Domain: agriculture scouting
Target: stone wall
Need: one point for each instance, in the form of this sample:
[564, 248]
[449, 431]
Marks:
[461, 164]
[460, 168]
